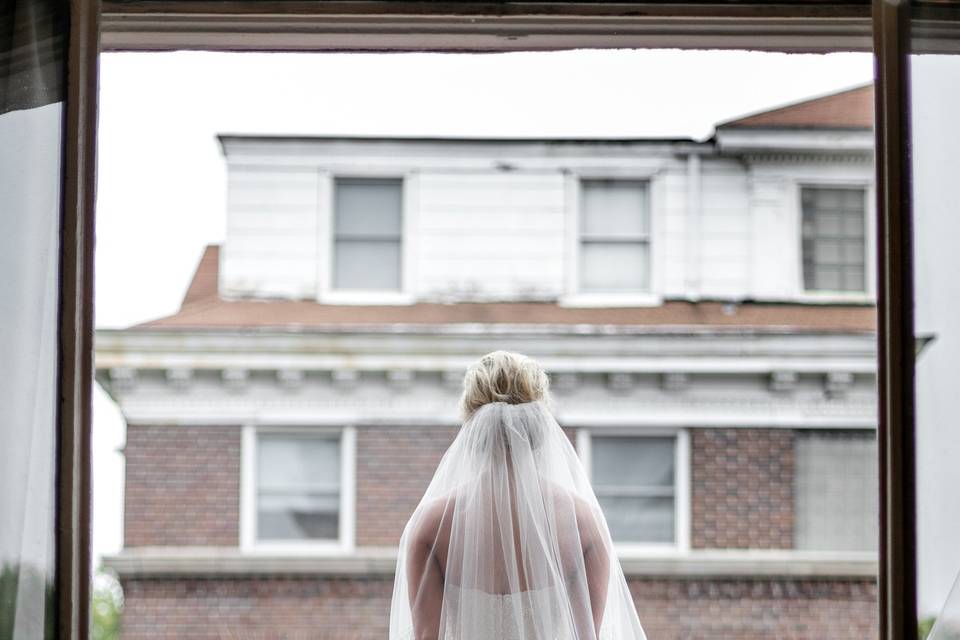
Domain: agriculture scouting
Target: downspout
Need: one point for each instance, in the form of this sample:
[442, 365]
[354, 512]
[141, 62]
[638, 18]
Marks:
[694, 226]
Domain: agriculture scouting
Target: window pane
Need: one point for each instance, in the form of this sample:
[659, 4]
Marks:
[836, 491]
[365, 208]
[367, 265]
[833, 239]
[614, 266]
[295, 461]
[298, 517]
[298, 480]
[619, 461]
[614, 209]
[644, 520]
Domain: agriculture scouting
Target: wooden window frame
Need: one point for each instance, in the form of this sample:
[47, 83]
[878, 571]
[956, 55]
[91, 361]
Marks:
[346, 439]
[327, 292]
[863, 295]
[379, 25]
[575, 295]
[682, 484]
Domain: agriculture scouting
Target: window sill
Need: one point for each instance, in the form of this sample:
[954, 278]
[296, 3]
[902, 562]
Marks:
[611, 300]
[835, 297]
[298, 549]
[381, 561]
[366, 298]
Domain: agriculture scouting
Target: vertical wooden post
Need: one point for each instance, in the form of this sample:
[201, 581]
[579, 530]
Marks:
[898, 553]
[75, 348]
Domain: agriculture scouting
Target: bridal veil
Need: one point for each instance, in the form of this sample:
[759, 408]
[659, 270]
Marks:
[508, 542]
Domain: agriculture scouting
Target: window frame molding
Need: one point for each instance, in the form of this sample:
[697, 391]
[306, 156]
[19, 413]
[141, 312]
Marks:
[326, 219]
[683, 481]
[572, 296]
[869, 295]
[880, 26]
[346, 542]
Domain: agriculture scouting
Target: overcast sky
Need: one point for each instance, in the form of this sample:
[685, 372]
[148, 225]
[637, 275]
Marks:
[161, 190]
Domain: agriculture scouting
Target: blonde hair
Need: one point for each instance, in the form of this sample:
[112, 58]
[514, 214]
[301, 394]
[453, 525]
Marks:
[503, 376]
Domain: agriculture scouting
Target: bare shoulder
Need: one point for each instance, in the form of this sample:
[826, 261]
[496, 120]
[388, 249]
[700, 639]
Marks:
[428, 521]
[585, 515]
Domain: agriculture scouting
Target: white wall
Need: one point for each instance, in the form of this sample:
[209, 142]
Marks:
[498, 220]
[936, 99]
[490, 235]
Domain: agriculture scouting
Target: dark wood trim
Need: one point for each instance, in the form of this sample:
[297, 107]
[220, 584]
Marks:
[386, 26]
[75, 326]
[895, 348]
[494, 8]
[935, 28]
[298, 25]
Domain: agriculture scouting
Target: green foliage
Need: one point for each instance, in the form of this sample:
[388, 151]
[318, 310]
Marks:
[10, 576]
[106, 608]
[926, 625]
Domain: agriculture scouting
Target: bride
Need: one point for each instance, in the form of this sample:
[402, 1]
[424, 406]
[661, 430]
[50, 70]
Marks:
[508, 542]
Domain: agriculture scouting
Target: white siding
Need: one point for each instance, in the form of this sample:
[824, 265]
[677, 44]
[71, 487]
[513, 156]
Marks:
[499, 221]
[725, 231]
[490, 235]
[774, 196]
[670, 245]
[271, 246]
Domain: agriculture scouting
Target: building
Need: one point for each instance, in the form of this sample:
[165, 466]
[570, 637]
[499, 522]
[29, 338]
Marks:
[704, 308]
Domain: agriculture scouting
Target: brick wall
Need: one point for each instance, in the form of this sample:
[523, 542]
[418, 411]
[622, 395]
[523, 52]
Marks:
[358, 609]
[394, 467]
[742, 488]
[256, 609]
[182, 486]
[757, 609]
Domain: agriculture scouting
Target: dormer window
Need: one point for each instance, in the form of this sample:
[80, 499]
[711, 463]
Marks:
[834, 239]
[367, 234]
[614, 238]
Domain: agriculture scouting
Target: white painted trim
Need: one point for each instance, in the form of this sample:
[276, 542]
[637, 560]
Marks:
[346, 437]
[868, 295]
[159, 412]
[683, 491]
[584, 451]
[324, 232]
[248, 487]
[348, 488]
[326, 294]
[808, 142]
[681, 495]
[572, 296]
[647, 299]
[409, 240]
[382, 561]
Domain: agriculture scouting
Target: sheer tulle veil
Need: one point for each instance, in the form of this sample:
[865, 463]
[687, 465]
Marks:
[509, 542]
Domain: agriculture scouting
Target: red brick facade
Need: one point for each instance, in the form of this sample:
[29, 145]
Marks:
[357, 609]
[182, 486]
[741, 490]
[394, 466]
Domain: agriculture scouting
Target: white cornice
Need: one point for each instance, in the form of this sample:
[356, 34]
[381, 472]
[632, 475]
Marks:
[654, 379]
[810, 142]
[154, 562]
[714, 351]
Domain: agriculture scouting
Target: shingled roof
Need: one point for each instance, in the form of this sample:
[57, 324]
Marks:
[851, 109]
[203, 308]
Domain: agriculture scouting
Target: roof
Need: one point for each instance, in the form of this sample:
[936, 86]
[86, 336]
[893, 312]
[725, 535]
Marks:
[203, 308]
[850, 109]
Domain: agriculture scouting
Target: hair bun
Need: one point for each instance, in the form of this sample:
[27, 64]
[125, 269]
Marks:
[503, 376]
